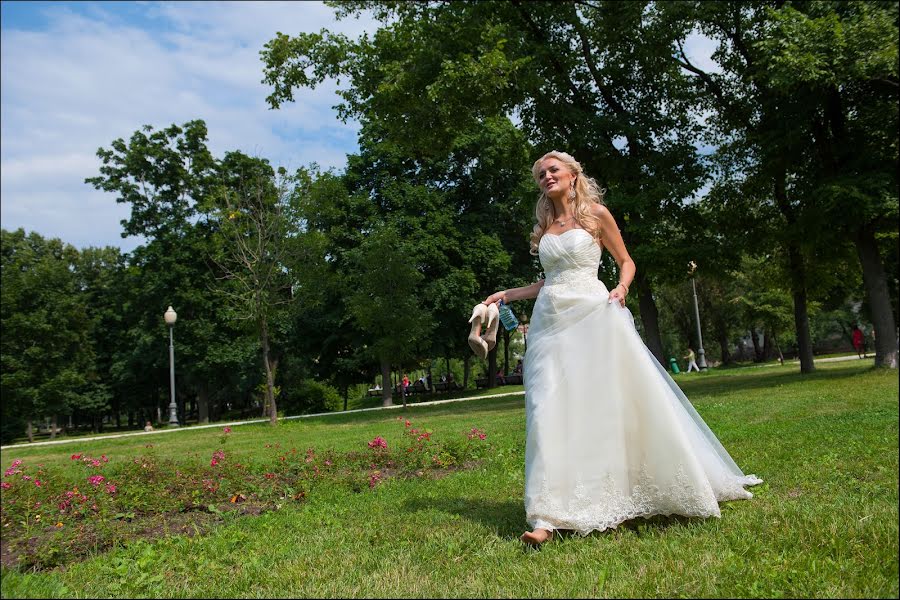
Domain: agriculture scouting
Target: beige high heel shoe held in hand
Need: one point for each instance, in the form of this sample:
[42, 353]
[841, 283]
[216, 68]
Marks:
[478, 345]
[493, 323]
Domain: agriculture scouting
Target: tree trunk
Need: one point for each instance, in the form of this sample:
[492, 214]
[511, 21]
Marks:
[801, 316]
[797, 273]
[649, 317]
[768, 351]
[203, 402]
[30, 431]
[506, 336]
[466, 369]
[777, 347]
[387, 387]
[53, 427]
[492, 368]
[270, 378]
[346, 391]
[723, 345]
[757, 350]
[875, 281]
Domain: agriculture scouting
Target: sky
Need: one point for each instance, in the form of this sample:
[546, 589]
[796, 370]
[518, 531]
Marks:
[74, 76]
[78, 75]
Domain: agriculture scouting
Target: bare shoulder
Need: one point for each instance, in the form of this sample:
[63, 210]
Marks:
[601, 212]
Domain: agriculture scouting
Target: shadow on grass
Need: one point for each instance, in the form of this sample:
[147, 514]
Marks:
[507, 517]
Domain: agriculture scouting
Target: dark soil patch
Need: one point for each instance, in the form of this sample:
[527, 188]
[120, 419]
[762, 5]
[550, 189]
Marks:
[52, 547]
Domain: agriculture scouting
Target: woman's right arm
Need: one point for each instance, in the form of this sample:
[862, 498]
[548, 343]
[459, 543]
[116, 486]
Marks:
[520, 293]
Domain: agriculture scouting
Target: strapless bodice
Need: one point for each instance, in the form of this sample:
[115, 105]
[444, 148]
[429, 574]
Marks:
[570, 260]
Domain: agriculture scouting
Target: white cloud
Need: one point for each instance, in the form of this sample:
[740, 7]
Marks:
[87, 79]
[699, 50]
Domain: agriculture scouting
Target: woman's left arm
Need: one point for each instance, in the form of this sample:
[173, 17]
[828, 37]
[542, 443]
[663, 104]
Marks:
[612, 241]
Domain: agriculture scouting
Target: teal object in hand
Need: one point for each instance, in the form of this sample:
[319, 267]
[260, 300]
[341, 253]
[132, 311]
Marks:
[507, 317]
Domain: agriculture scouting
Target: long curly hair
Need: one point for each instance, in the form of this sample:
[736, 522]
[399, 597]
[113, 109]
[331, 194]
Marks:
[587, 192]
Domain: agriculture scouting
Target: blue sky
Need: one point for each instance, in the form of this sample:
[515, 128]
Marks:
[77, 75]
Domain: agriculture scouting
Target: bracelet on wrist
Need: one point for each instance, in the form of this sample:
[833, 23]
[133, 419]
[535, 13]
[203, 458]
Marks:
[625, 287]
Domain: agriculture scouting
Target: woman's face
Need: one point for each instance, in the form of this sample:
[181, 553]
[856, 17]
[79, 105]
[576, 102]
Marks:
[554, 178]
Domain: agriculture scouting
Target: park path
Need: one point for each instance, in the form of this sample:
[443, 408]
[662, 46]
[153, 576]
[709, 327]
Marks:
[236, 423]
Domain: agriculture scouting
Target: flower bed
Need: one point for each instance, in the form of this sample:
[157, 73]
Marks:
[51, 517]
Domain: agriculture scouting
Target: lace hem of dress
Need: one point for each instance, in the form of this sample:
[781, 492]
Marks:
[609, 507]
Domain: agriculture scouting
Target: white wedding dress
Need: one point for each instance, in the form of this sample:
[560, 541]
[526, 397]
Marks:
[610, 436]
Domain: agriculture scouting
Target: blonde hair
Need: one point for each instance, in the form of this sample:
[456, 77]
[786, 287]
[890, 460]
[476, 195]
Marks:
[587, 192]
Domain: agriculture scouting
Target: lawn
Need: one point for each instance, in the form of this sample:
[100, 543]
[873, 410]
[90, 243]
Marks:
[824, 523]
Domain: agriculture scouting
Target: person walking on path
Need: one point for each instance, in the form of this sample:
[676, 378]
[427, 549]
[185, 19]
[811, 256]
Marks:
[859, 341]
[692, 364]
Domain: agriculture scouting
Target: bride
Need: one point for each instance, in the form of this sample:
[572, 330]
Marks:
[610, 437]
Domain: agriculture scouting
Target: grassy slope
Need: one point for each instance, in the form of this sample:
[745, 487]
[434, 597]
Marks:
[824, 523]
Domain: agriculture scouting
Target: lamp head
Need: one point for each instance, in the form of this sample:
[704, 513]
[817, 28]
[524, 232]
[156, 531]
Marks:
[171, 317]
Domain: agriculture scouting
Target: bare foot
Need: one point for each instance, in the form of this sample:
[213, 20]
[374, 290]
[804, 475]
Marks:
[537, 537]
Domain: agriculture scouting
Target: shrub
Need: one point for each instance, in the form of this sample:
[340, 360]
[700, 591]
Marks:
[310, 397]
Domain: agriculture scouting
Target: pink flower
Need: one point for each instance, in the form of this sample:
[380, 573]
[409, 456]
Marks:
[269, 475]
[213, 462]
[16, 463]
[227, 430]
[408, 423]
[110, 489]
[76, 457]
[37, 482]
[5, 485]
[26, 477]
[95, 463]
[378, 442]
[103, 458]
[374, 478]
[96, 480]
[12, 471]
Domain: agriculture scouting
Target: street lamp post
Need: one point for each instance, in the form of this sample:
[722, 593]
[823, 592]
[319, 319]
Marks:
[701, 355]
[171, 316]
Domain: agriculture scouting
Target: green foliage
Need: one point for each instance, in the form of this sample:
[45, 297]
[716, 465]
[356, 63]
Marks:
[47, 349]
[310, 397]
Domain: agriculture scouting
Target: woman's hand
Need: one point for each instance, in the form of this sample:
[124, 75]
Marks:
[618, 295]
[496, 297]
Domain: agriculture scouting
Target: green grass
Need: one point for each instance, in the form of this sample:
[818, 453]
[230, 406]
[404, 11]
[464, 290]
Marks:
[824, 523]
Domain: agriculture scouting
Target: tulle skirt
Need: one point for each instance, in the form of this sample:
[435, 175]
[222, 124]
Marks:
[610, 436]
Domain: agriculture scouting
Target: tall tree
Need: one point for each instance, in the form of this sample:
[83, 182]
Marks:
[796, 97]
[46, 348]
[255, 223]
[434, 70]
[166, 177]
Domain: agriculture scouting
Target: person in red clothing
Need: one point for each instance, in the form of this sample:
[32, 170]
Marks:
[858, 341]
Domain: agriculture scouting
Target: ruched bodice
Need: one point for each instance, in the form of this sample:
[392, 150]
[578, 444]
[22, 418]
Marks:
[569, 256]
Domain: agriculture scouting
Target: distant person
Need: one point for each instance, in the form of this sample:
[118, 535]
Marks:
[404, 383]
[692, 364]
[858, 341]
[501, 379]
[148, 426]
[518, 369]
